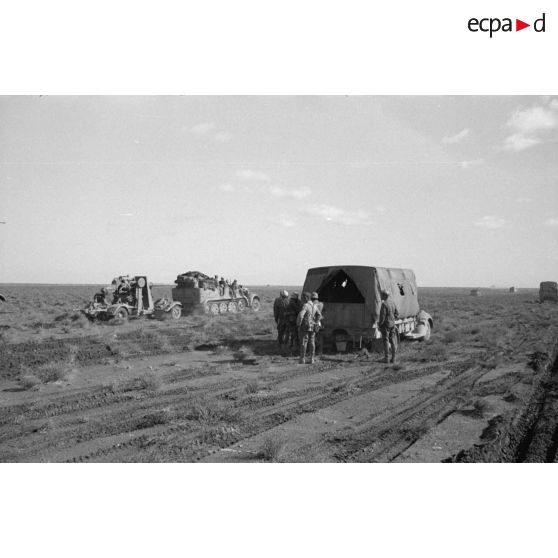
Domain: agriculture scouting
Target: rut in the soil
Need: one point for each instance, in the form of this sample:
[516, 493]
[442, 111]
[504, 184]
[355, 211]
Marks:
[189, 442]
[530, 435]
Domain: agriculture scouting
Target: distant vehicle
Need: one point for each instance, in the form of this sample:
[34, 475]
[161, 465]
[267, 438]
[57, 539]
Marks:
[197, 292]
[351, 297]
[130, 298]
[548, 291]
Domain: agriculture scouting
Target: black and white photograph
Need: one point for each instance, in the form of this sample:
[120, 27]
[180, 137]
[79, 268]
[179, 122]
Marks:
[279, 279]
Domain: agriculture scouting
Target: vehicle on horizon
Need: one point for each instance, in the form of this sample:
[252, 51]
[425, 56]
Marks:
[130, 297]
[197, 292]
[351, 298]
[548, 291]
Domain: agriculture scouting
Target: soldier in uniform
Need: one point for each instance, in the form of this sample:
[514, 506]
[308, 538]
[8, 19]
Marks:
[308, 320]
[293, 309]
[280, 305]
[386, 323]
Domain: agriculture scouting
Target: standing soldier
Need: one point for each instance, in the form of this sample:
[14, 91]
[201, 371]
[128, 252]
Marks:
[293, 309]
[280, 314]
[309, 318]
[386, 323]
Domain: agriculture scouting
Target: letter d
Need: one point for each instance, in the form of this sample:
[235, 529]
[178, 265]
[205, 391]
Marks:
[535, 25]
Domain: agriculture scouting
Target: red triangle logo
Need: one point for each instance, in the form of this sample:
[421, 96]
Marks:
[519, 25]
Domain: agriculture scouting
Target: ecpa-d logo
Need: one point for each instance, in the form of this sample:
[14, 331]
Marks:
[494, 25]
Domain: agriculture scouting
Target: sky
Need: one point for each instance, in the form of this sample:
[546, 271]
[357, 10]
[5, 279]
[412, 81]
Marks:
[461, 189]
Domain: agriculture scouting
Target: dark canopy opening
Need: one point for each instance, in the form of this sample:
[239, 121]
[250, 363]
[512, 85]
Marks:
[340, 288]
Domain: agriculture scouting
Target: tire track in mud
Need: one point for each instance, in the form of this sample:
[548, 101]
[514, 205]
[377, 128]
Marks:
[527, 435]
[385, 436]
[120, 413]
[122, 410]
[268, 413]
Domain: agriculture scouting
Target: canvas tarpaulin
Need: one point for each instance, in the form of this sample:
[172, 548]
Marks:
[368, 282]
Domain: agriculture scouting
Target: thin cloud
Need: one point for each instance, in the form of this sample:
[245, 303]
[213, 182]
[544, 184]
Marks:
[334, 214]
[203, 128]
[252, 176]
[552, 222]
[468, 164]
[222, 137]
[519, 142]
[297, 193]
[460, 136]
[284, 221]
[211, 131]
[531, 126]
[491, 222]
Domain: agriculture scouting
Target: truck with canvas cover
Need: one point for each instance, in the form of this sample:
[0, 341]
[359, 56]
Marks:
[198, 292]
[548, 291]
[130, 297]
[351, 298]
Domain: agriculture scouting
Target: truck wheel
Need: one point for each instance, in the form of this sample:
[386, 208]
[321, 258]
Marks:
[241, 305]
[256, 305]
[176, 312]
[426, 336]
[121, 314]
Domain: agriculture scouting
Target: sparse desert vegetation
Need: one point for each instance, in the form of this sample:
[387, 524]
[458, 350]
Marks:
[148, 390]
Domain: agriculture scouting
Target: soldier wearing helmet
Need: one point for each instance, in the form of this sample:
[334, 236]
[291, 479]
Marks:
[386, 323]
[309, 320]
[280, 314]
[293, 309]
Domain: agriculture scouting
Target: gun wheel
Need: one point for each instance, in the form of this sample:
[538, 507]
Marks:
[176, 312]
[121, 314]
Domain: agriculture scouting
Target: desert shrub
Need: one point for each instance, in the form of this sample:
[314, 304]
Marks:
[29, 381]
[451, 337]
[52, 372]
[148, 381]
[252, 386]
[271, 448]
[434, 351]
[243, 353]
[211, 412]
[153, 418]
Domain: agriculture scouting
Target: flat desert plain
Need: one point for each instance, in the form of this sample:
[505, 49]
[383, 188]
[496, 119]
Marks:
[217, 389]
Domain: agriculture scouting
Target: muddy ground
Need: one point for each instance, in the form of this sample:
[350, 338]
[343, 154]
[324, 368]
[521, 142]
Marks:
[484, 388]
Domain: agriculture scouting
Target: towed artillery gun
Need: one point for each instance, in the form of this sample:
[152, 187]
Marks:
[197, 292]
[130, 297]
[351, 298]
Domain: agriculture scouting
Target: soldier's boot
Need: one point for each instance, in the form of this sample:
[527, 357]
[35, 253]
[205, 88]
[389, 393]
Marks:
[312, 353]
[302, 360]
[386, 356]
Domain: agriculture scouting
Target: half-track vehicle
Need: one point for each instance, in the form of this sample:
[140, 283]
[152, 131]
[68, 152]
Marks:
[130, 297]
[351, 299]
[197, 292]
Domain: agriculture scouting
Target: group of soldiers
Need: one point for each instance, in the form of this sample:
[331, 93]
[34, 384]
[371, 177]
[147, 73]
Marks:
[299, 324]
